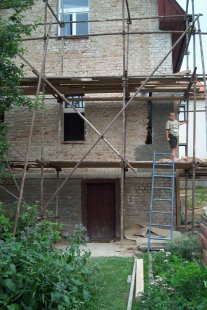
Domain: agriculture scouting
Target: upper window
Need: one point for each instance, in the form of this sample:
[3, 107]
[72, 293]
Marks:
[182, 113]
[74, 125]
[77, 101]
[75, 15]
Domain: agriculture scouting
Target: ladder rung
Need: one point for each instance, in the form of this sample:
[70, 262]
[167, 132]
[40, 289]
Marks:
[160, 187]
[162, 199]
[160, 225]
[158, 172]
[163, 176]
[160, 238]
[162, 153]
[162, 212]
[164, 164]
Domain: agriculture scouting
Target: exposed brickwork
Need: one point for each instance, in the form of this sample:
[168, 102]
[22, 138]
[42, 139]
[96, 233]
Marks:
[91, 56]
[102, 55]
[69, 198]
[48, 132]
[137, 200]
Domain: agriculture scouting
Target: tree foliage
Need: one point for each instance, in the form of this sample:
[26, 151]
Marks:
[12, 31]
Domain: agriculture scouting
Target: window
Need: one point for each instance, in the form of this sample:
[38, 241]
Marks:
[1, 117]
[74, 128]
[74, 125]
[149, 123]
[182, 113]
[182, 150]
[77, 102]
[76, 12]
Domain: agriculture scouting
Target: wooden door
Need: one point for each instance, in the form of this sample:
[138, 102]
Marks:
[100, 211]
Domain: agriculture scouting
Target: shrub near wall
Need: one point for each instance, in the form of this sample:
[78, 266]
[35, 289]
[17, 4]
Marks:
[34, 275]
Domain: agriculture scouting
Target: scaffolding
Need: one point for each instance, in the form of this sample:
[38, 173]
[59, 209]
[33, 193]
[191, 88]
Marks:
[177, 88]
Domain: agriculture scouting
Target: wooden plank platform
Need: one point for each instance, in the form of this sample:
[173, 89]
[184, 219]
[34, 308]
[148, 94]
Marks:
[100, 164]
[111, 84]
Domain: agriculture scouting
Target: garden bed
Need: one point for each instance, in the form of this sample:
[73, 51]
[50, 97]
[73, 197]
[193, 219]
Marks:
[179, 278]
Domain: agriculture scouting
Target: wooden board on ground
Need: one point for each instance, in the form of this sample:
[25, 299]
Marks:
[139, 288]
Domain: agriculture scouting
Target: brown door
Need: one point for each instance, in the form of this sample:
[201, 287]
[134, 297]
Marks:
[100, 211]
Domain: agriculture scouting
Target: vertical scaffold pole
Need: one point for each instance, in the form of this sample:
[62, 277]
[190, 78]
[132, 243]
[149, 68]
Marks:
[122, 204]
[194, 125]
[204, 73]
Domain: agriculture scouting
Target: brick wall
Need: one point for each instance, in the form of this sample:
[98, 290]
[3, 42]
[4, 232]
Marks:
[137, 201]
[48, 132]
[90, 57]
[203, 238]
[138, 192]
[69, 198]
[87, 57]
[102, 55]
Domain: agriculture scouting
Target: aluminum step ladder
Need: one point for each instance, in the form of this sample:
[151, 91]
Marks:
[157, 192]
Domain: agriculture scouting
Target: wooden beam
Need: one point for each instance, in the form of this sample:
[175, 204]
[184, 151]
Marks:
[98, 164]
[131, 292]
[139, 289]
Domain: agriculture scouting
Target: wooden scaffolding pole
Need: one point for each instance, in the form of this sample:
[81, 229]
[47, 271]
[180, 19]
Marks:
[30, 139]
[123, 171]
[57, 197]
[204, 73]
[42, 129]
[194, 127]
[186, 200]
[112, 34]
[15, 181]
[107, 20]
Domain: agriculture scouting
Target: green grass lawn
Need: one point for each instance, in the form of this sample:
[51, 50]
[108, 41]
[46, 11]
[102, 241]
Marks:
[200, 197]
[113, 289]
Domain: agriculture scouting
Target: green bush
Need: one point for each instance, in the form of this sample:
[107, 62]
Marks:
[187, 246]
[178, 284]
[5, 224]
[29, 224]
[34, 276]
[188, 277]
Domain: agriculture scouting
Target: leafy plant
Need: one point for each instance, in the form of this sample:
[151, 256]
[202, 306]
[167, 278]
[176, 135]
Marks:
[187, 246]
[178, 284]
[189, 280]
[35, 276]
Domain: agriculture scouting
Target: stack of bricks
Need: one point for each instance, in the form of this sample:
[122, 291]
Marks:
[203, 238]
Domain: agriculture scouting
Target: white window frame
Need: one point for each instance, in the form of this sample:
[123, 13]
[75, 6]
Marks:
[80, 105]
[182, 113]
[74, 11]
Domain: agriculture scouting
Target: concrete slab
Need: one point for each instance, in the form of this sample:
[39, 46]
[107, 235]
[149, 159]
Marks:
[110, 249]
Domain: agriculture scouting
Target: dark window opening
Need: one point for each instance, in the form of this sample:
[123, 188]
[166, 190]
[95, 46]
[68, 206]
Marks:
[74, 127]
[1, 117]
[149, 124]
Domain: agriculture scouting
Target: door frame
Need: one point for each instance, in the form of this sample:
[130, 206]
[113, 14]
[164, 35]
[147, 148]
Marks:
[117, 201]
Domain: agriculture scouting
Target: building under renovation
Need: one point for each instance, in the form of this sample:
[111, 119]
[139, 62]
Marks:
[109, 75]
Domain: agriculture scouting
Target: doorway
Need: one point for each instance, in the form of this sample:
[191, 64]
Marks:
[100, 210]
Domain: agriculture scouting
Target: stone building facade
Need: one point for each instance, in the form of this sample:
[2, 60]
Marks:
[85, 57]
